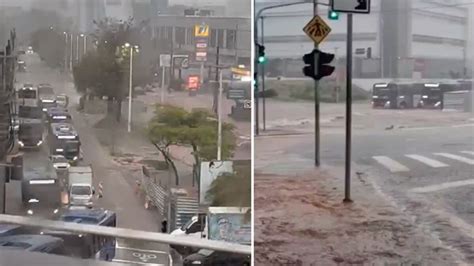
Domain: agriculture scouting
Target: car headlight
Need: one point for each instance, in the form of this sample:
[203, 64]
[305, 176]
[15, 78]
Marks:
[424, 96]
[39, 143]
[79, 235]
[74, 158]
[30, 212]
[196, 262]
[56, 211]
[21, 143]
[45, 109]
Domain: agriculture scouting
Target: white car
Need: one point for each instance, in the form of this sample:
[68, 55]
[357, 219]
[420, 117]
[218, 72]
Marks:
[60, 162]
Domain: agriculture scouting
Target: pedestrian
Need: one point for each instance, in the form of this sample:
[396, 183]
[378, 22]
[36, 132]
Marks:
[164, 226]
[101, 190]
[137, 186]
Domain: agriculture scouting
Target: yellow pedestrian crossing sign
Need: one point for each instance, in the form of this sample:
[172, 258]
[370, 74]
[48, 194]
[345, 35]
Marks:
[317, 29]
[201, 30]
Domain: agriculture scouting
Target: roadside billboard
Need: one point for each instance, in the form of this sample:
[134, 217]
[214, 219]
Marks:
[209, 172]
[229, 224]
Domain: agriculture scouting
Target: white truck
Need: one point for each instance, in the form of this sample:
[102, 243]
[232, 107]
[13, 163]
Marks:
[80, 188]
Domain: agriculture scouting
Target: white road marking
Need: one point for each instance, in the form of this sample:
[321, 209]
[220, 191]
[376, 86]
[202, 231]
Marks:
[456, 222]
[468, 152]
[456, 157]
[426, 160]
[443, 186]
[392, 165]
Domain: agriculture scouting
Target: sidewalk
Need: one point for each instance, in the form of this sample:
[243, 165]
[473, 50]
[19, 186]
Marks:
[369, 231]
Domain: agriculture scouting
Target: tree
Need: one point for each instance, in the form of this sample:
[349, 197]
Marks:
[231, 190]
[173, 125]
[50, 45]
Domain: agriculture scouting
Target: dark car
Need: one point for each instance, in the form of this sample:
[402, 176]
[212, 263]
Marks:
[211, 257]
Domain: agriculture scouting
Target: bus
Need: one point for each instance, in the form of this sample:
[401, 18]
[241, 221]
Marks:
[431, 96]
[41, 192]
[27, 96]
[64, 140]
[395, 95]
[30, 126]
[87, 245]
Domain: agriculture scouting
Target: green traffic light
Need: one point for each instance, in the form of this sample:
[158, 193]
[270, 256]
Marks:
[333, 15]
[262, 59]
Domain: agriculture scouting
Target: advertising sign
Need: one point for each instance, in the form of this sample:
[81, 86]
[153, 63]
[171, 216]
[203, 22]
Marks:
[209, 172]
[230, 227]
[193, 82]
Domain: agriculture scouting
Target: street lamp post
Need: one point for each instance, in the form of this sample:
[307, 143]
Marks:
[130, 85]
[71, 55]
[77, 49]
[219, 121]
[85, 43]
[65, 51]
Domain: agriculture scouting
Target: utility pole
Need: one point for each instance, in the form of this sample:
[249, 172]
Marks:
[347, 187]
[219, 121]
[263, 82]
[129, 124]
[317, 161]
[215, 92]
[71, 54]
[337, 74]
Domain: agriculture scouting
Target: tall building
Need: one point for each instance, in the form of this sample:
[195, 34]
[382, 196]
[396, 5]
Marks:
[406, 38]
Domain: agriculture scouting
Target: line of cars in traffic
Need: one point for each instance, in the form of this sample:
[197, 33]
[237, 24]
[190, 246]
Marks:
[62, 190]
[406, 95]
[58, 189]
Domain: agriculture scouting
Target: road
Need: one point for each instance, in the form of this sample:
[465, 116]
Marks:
[425, 168]
[118, 194]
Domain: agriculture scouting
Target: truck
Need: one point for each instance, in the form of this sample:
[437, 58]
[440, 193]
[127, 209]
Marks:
[228, 224]
[79, 186]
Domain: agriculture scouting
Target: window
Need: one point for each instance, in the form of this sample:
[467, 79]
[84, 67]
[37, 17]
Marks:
[220, 38]
[196, 227]
[180, 35]
[190, 36]
[213, 38]
[231, 39]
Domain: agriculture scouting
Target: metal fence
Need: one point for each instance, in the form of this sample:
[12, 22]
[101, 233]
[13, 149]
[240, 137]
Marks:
[157, 194]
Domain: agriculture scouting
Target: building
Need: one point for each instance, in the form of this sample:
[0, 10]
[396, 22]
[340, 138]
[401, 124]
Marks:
[403, 38]
[175, 34]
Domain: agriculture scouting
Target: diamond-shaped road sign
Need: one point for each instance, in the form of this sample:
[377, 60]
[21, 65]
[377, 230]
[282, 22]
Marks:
[317, 29]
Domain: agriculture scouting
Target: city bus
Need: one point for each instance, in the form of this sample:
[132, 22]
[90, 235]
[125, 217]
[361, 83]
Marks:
[64, 140]
[395, 95]
[41, 192]
[27, 96]
[431, 96]
[88, 245]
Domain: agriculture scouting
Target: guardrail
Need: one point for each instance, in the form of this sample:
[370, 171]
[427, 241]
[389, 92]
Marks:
[127, 234]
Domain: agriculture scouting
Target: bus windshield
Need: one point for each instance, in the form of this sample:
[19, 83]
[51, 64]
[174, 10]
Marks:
[27, 94]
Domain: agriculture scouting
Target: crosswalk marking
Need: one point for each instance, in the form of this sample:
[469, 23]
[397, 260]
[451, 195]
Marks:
[427, 161]
[392, 165]
[456, 157]
[443, 186]
[468, 152]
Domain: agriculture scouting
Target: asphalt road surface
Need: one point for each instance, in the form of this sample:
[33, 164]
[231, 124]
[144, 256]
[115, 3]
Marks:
[118, 194]
[426, 171]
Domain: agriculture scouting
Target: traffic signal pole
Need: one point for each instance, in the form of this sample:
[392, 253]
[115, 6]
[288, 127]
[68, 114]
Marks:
[317, 161]
[347, 186]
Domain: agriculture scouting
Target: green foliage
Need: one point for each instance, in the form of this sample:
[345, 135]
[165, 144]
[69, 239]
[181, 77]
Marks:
[50, 45]
[231, 190]
[173, 125]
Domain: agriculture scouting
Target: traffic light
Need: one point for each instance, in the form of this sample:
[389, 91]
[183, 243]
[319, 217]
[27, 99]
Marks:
[333, 15]
[317, 64]
[261, 54]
